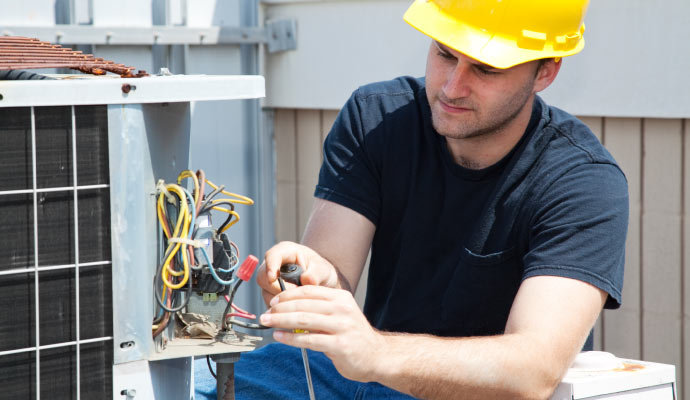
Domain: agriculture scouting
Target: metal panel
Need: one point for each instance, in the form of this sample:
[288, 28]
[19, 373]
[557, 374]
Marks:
[326, 68]
[380, 45]
[203, 13]
[121, 13]
[147, 143]
[27, 13]
[106, 90]
[139, 380]
[118, 35]
[685, 377]
[616, 31]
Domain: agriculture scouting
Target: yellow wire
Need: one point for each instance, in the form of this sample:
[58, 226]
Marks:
[231, 212]
[190, 174]
[185, 217]
[183, 224]
[239, 199]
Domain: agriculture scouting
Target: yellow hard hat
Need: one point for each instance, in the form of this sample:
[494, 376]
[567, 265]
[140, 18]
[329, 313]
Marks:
[503, 33]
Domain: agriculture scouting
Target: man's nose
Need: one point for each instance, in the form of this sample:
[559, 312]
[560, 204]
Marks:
[458, 81]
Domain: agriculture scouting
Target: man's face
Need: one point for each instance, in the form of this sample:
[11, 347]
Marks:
[469, 98]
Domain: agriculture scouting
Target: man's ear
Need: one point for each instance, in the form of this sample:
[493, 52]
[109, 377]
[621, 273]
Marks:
[548, 70]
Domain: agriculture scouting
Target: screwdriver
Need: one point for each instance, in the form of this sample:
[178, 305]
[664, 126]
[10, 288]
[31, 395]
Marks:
[292, 273]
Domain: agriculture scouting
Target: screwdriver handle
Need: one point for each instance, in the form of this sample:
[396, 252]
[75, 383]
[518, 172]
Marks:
[291, 273]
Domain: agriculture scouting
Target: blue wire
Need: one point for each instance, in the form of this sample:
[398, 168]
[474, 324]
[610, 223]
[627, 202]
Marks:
[192, 211]
[233, 268]
[213, 271]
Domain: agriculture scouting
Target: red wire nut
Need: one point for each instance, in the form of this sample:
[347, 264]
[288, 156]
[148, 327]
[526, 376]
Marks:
[247, 268]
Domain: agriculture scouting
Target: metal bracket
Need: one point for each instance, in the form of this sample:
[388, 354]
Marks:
[278, 35]
[282, 35]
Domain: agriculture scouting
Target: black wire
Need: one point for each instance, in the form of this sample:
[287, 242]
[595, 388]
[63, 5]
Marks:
[208, 361]
[218, 203]
[176, 309]
[207, 199]
[227, 308]
[224, 224]
[227, 322]
[247, 325]
[158, 294]
[209, 207]
[156, 284]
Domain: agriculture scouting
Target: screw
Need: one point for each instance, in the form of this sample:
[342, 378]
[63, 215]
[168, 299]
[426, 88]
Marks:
[126, 88]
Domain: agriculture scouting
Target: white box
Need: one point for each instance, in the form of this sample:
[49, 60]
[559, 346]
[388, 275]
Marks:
[628, 379]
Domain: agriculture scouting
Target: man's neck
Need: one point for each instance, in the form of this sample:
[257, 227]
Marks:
[482, 151]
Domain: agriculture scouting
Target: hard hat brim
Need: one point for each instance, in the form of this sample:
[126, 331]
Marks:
[486, 47]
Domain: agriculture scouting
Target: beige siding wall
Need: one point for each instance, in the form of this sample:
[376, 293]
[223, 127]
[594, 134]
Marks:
[654, 322]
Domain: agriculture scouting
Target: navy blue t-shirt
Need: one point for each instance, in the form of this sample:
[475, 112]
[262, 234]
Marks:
[452, 245]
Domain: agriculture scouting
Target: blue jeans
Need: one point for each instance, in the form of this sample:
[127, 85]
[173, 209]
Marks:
[275, 371]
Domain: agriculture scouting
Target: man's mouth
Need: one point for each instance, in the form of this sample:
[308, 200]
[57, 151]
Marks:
[453, 108]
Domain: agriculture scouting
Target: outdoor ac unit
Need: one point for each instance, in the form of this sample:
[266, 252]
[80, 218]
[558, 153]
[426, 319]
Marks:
[80, 159]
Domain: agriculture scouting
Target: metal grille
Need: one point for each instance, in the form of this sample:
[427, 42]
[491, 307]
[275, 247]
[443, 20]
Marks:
[55, 261]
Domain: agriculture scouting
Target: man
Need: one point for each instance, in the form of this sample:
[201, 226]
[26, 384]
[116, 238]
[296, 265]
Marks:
[497, 224]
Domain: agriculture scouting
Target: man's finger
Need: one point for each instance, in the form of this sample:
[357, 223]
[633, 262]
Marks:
[312, 292]
[314, 341]
[302, 320]
[306, 305]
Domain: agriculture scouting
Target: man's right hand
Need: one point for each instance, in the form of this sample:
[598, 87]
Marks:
[317, 270]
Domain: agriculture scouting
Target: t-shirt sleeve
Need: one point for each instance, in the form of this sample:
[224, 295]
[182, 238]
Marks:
[579, 229]
[350, 173]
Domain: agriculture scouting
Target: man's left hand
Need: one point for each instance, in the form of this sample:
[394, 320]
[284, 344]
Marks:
[334, 324]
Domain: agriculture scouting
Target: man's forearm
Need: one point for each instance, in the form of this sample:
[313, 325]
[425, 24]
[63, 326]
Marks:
[501, 367]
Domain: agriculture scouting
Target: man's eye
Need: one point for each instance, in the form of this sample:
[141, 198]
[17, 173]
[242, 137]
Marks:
[486, 71]
[446, 56]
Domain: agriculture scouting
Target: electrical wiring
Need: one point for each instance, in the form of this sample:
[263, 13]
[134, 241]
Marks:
[239, 199]
[183, 216]
[185, 255]
[240, 315]
[210, 368]
[158, 295]
[214, 274]
[247, 325]
[245, 314]
[209, 197]
[227, 321]
[229, 305]
[159, 327]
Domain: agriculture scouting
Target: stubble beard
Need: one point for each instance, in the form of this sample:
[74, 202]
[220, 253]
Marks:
[485, 122]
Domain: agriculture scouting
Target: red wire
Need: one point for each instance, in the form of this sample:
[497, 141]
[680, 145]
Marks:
[240, 312]
[241, 315]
